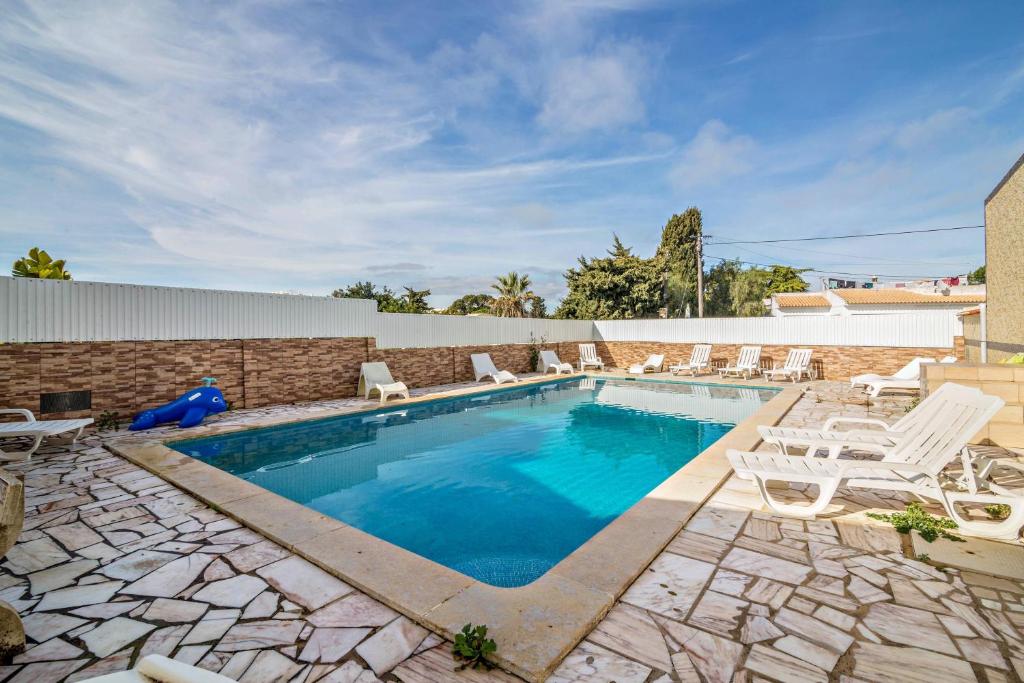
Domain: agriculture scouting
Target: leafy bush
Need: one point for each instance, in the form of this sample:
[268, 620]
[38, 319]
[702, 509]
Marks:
[108, 421]
[998, 510]
[535, 346]
[915, 517]
[472, 647]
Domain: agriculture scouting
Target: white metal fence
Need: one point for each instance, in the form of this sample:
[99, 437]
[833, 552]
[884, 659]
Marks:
[47, 311]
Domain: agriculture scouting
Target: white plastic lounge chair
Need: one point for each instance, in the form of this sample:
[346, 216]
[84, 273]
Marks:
[875, 385]
[589, 357]
[798, 364]
[653, 363]
[153, 668]
[914, 465]
[910, 371]
[483, 366]
[36, 430]
[833, 441]
[376, 377]
[747, 365]
[549, 360]
[700, 359]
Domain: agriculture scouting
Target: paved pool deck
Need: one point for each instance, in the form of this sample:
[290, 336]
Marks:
[115, 562]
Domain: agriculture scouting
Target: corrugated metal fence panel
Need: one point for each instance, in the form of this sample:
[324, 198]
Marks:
[908, 330]
[49, 311]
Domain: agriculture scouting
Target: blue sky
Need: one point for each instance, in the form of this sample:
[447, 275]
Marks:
[281, 146]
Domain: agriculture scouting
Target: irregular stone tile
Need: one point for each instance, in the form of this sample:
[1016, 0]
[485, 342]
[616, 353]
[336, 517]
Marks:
[42, 626]
[908, 626]
[107, 611]
[102, 552]
[774, 549]
[112, 635]
[238, 537]
[719, 521]
[812, 653]
[844, 622]
[759, 564]
[47, 671]
[717, 613]
[259, 635]
[356, 609]
[270, 666]
[329, 645]
[238, 663]
[436, 665]
[869, 575]
[390, 645]
[874, 662]
[110, 664]
[74, 536]
[588, 662]
[218, 569]
[814, 630]
[780, 666]
[136, 564]
[59, 576]
[264, 605]
[78, 596]
[190, 654]
[982, 651]
[716, 658]
[865, 592]
[251, 557]
[762, 529]
[53, 649]
[698, 546]
[175, 611]
[25, 558]
[827, 584]
[163, 641]
[631, 631]
[303, 582]
[756, 629]
[730, 583]
[956, 626]
[171, 578]
[212, 626]
[768, 592]
[830, 568]
[233, 592]
[968, 614]
[670, 585]
[905, 593]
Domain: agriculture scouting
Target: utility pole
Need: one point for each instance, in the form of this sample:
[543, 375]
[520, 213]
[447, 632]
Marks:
[700, 274]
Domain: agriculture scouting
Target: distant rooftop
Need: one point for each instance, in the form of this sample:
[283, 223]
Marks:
[903, 296]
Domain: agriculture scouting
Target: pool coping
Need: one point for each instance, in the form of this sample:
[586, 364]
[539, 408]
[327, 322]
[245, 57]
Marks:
[535, 625]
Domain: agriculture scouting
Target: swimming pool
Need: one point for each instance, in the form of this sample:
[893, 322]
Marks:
[499, 486]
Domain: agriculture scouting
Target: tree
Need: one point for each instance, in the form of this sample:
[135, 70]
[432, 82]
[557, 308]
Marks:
[619, 286]
[678, 254]
[470, 303]
[513, 295]
[977, 277]
[39, 264]
[413, 301]
[538, 307]
[735, 291]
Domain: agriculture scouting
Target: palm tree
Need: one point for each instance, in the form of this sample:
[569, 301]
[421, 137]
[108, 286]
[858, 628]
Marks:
[39, 264]
[514, 295]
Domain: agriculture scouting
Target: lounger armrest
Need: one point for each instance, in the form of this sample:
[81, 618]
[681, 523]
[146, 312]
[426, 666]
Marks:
[27, 414]
[898, 467]
[832, 421]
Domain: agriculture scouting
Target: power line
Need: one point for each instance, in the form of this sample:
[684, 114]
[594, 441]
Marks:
[847, 237]
[827, 272]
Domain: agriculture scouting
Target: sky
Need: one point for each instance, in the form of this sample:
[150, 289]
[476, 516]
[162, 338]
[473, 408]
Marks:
[290, 146]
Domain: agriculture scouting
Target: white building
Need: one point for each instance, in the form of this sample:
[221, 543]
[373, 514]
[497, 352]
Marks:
[883, 300]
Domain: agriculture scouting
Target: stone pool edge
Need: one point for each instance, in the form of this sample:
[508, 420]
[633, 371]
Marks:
[535, 625]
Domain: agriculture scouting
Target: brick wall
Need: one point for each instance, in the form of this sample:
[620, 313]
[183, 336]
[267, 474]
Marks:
[1005, 381]
[132, 376]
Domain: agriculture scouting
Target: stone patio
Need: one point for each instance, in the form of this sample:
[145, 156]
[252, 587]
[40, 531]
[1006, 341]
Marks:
[114, 563]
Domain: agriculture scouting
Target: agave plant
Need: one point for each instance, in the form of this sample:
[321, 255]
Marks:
[514, 295]
[39, 264]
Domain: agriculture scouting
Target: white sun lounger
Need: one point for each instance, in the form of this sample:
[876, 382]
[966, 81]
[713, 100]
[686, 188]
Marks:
[914, 465]
[589, 357]
[153, 668]
[700, 359]
[549, 360]
[910, 380]
[798, 364]
[36, 430]
[483, 366]
[748, 363]
[376, 377]
[653, 363]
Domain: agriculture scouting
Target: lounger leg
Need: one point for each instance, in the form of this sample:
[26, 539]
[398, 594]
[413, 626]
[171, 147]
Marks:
[22, 455]
[1005, 530]
[826, 491]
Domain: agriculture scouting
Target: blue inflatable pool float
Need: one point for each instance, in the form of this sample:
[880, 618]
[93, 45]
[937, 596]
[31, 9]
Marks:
[189, 409]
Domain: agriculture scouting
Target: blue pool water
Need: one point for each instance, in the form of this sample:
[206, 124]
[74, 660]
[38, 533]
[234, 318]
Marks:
[500, 486]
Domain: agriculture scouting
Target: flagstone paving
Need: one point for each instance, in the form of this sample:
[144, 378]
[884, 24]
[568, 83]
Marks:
[114, 564]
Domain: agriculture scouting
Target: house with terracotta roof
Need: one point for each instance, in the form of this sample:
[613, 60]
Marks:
[877, 301]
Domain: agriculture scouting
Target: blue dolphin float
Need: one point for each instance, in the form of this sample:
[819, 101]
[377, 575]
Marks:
[189, 409]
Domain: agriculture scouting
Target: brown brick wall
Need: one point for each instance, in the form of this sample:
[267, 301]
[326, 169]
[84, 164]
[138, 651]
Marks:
[131, 376]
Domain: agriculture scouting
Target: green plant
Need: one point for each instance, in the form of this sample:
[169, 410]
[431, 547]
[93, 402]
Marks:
[915, 517]
[535, 345]
[514, 295]
[998, 510]
[39, 264]
[472, 647]
[108, 421]
[923, 557]
[913, 403]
